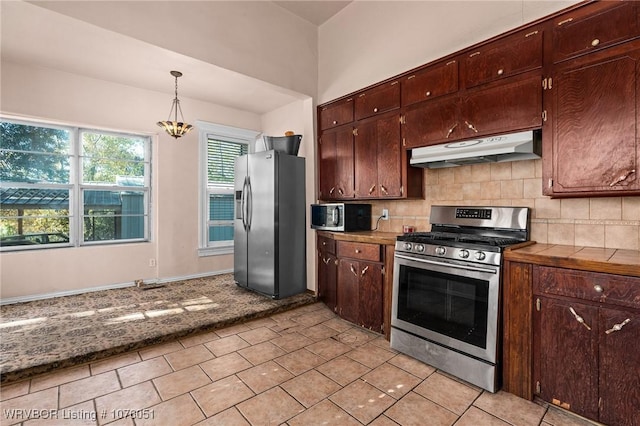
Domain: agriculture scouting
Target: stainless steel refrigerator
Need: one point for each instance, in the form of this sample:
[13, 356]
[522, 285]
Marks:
[270, 224]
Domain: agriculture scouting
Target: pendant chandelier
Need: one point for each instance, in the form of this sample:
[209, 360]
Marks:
[174, 127]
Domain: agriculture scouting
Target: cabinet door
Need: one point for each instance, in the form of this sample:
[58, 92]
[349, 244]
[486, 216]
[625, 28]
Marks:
[378, 172]
[430, 83]
[336, 114]
[370, 296]
[503, 107]
[430, 123]
[377, 100]
[327, 279]
[566, 355]
[619, 367]
[335, 164]
[593, 107]
[504, 58]
[347, 289]
[594, 27]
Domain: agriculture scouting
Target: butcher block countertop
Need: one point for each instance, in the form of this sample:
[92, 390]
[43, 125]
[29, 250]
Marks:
[374, 237]
[607, 260]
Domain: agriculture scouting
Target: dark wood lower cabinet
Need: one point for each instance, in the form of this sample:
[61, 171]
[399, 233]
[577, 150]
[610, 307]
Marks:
[619, 379]
[566, 355]
[352, 281]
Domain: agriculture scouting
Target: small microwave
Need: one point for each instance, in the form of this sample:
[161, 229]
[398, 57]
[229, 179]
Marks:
[343, 217]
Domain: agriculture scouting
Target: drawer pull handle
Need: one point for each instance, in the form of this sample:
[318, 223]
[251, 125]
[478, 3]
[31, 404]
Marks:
[579, 318]
[340, 191]
[451, 130]
[598, 288]
[364, 271]
[353, 270]
[595, 42]
[470, 126]
[326, 261]
[384, 190]
[331, 190]
[373, 187]
[618, 327]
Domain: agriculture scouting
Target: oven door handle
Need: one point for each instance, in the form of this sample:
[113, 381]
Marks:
[449, 265]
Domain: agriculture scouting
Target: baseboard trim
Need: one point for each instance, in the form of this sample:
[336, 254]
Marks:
[21, 299]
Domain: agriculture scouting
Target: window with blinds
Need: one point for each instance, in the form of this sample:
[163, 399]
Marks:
[221, 156]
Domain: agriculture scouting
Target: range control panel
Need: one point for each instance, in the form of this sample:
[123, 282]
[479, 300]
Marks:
[468, 213]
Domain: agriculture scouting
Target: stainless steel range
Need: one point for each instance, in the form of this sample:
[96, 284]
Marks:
[446, 289]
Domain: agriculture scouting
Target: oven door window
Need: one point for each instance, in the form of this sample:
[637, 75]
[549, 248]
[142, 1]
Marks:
[452, 305]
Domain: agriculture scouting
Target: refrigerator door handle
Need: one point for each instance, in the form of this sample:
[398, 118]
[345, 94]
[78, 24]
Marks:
[249, 204]
[243, 205]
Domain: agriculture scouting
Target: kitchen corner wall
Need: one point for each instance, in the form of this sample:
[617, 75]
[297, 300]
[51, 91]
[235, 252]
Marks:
[610, 222]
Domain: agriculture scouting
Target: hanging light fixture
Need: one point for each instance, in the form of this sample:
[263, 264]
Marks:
[175, 128]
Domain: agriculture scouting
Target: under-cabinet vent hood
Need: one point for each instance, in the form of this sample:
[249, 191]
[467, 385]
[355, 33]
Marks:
[511, 147]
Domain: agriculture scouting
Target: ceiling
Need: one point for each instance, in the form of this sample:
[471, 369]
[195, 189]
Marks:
[316, 12]
[25, 25]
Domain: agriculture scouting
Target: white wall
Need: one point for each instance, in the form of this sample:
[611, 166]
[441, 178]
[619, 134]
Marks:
[53, 95]
[370, 41]
[254, 38]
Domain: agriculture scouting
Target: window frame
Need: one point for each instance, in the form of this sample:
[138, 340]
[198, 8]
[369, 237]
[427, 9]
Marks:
[77, 187]
[221, 132]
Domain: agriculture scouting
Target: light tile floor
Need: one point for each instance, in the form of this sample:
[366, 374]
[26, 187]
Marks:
[301, 367]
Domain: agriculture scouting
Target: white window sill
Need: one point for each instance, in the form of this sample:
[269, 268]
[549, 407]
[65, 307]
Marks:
[215, 251]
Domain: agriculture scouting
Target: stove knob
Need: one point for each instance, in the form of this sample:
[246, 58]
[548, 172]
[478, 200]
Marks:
[420, 248]
[480, 255]
[440, 250]
[464, 253]
[408, 246]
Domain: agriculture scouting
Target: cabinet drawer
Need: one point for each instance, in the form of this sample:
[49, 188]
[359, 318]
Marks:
[598, 287]
[327, 245]
[594, 27]
[430, 83]
[336, 114]
[363, 251]
[504, 58]
[377, 100]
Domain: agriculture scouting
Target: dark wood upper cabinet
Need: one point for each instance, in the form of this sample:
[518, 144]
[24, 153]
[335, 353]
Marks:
[508, 106]
[598, 26]
[377, 100]
[431, 123]
[336, 114]
[335, 164]
[378, 158]
[590, 142]
[512, 55]
[429, 83]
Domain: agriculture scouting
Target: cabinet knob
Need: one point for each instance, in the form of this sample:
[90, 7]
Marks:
[375, 110]
[358, 251]
[595, 42]
[335, 121]
[598, 288]
[500, 71]
[428, 94]
[324, 243]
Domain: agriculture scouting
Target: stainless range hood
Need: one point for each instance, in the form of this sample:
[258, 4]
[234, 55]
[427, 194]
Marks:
[512, 147]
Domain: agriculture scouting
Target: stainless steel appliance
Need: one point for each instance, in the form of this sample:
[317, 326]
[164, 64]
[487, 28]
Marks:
[341, 217]
[446, 290]
[512, 147]
[270, 224]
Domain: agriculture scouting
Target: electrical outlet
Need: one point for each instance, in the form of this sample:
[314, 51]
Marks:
[152, 263]
[385, 214]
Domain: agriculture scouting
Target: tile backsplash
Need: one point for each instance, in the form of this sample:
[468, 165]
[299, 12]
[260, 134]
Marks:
[611, 222]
